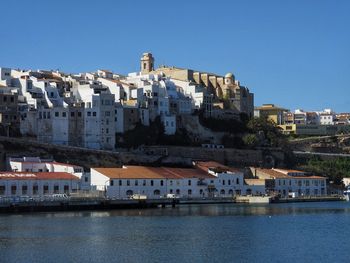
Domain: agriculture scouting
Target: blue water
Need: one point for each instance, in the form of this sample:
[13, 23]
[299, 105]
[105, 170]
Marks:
[301, 232]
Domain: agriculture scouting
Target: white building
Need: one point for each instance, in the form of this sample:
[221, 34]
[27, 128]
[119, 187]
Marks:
[327, 117]
[14, 184]
[286, 182]
[205, 179]
[38, 165]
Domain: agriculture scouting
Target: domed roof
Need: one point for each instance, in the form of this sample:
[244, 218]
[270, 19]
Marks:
[229, 75]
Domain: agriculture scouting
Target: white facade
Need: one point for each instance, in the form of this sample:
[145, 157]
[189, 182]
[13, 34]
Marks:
[169, 122]
[15, 184]
[285, 182]
[121, 183]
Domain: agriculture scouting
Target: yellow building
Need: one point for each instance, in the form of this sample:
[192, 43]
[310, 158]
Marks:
[272, 112]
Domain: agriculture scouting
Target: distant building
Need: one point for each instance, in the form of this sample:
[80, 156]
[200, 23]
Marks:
[271, 112]
[291, 182]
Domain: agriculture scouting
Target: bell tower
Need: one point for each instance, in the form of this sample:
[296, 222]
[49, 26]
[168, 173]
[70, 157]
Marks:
[147, 63]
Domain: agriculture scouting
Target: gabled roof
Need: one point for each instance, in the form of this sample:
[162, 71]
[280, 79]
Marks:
[143, 172]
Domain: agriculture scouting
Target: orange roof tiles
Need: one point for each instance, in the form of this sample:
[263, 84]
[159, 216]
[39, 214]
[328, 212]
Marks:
[37, 176]
[143, 172]
[274, 173]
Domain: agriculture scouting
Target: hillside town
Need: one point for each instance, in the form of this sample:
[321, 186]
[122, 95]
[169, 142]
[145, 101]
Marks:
[88, 109]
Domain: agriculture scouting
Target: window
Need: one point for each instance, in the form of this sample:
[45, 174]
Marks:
[136, 182]
[144, 183]
[189, 182]
[46, 189]
[189, 192]
[171, 191]
[56, 113]
[237, 181]
[129, 192]
[152, 182]
[223, 182]
[79, 114]
[229, 182]
[64, 114]
[2, 189]
[107, 113]
[13, 189]
[111, 182]
[66, 189]
[120, 183]
[89, 113]
[86, 179]
[161, 182]
[107, 130]
[128, 182]
[177, 191]
[55, 189]
[156, 192]
[72, 114]
[94, 114]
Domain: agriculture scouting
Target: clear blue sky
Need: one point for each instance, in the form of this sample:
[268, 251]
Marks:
[292, 53]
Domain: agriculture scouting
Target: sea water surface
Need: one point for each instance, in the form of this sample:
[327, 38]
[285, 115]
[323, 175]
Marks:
[299, 232]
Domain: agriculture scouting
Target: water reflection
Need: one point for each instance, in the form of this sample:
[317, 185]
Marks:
[189, 233]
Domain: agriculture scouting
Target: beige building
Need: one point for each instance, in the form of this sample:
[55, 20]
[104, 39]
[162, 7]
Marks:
[224, 88]
[271, 112]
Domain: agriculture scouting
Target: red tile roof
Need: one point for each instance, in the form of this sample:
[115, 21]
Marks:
[278, 174]
[37, 176]
[143, 172]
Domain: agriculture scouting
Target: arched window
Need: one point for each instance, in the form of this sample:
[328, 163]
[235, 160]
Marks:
[156, 192]
[230, 192]
[161, 182]
[222, 192]
[129, 192]
[189, 192]
[237, 181]
[177, 191]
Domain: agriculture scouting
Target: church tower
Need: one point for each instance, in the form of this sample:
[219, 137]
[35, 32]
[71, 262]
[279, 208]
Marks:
[147, 63]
